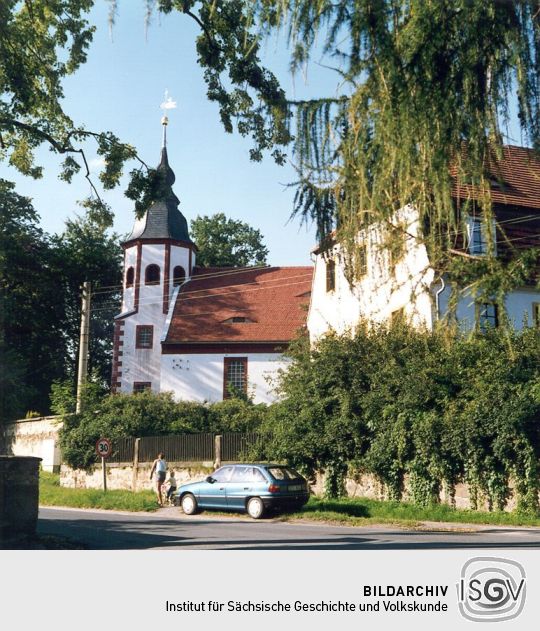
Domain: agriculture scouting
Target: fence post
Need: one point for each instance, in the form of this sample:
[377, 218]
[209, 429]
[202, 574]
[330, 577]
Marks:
[135, 472]
[217, 451]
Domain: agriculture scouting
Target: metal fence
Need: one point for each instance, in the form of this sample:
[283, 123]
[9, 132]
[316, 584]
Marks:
[236, 446]
[122, 450]
[186, 447]
[183, 448]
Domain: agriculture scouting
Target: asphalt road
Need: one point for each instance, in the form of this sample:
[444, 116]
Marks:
[170, 529]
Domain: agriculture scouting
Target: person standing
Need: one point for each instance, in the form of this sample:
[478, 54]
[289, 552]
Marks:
[159, 466]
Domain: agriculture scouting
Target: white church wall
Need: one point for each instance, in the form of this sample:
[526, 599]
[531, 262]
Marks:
[138, 364]
[199, 377]
[179, 256]
[128, 302]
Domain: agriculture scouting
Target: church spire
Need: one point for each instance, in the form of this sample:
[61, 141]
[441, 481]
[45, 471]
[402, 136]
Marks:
[163, 219]
[164, 122]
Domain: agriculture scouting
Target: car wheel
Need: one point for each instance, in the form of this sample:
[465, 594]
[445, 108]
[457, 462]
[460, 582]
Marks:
[189, 504]
[255, 507]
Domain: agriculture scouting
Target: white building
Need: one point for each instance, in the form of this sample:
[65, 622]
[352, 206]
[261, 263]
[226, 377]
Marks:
[198, 332]
[410, 286]
[202, 333]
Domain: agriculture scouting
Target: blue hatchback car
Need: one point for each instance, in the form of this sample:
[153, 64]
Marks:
[254, 488]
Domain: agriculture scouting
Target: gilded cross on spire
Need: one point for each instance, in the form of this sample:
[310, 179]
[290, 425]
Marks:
[168, 104]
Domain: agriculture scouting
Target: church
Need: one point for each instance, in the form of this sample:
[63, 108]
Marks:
[203, 333]
[206, 334]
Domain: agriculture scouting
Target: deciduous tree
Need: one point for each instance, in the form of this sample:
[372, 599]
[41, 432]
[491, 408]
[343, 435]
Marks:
[227, 242]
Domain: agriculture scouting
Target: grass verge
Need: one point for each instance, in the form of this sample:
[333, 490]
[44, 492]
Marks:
[52, 494]
[364, 512]
[345, 512]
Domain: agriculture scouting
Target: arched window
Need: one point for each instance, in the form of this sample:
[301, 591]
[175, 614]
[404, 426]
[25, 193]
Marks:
[151, 275]
[179, 275]
[129, 277]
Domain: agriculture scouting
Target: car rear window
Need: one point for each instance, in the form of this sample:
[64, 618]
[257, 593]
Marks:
[283, 473]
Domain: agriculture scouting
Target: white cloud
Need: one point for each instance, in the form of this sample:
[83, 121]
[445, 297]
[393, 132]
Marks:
[168, 103]
[96, 164]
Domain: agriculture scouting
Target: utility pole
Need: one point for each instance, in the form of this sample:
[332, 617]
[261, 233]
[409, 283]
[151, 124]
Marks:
[82, 371]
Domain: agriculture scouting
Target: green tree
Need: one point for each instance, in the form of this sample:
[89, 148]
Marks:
[41, 43]
[87, 250]
[40, 280]
[424, 91]
[419, 410]
[227, 242]
[142, 414]
[31, 310]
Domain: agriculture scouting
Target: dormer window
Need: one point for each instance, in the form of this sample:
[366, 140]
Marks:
[179, 275]
[151, 275]
[237, 320]
[497, 184]
[130, 275]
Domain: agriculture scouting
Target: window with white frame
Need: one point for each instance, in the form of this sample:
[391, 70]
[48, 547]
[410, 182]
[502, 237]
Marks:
[478, 236]
[144, 336]
[235, 376]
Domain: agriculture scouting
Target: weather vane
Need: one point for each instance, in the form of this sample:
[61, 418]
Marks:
[168, 104]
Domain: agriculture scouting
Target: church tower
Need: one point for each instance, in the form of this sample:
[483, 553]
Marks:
[159, 257]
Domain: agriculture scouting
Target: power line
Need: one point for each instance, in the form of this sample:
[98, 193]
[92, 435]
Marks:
[228, 272]
[234, 271]
[218, 294]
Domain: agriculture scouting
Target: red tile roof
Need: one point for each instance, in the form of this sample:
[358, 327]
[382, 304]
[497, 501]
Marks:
[519, 173]
[274, 299]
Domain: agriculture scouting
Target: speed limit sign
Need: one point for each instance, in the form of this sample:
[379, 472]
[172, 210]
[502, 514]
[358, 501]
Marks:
[103, 448]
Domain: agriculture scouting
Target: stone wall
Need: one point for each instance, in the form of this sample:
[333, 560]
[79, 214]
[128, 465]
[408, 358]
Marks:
[125, 476]
[36, 437]
[368, 486]
[19, 496]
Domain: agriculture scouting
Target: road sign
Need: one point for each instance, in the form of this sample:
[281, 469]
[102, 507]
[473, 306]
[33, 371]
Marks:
[103, 448]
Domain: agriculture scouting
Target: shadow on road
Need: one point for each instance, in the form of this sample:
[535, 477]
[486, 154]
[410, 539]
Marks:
[139, 533]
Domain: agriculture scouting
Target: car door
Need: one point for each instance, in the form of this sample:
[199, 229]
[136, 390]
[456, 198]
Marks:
[213, 494]
[239, 487]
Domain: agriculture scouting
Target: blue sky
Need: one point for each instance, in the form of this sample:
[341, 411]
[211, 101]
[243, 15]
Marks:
[120, 89]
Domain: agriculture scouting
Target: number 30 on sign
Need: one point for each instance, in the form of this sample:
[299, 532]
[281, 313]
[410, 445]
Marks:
[103, 447]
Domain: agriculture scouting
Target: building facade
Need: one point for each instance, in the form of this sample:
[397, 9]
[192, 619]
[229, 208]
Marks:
[411, 287]
[202, 333]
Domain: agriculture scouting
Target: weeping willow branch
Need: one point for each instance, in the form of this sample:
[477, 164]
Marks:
[428, 89]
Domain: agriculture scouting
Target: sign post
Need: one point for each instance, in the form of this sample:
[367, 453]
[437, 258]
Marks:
[103, 450]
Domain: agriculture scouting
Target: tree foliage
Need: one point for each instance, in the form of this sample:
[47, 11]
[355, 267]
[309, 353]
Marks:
[423, 97]
[227, 242]
[41, 43]
[142, 414]
[30, 312]
[87, 250]
[431, 408]
[40, 280]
